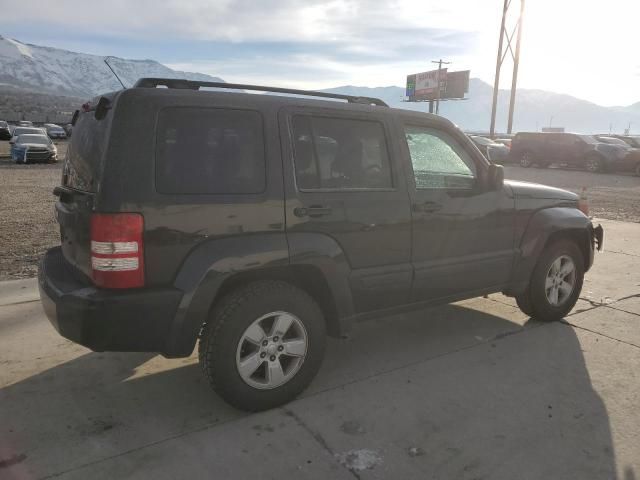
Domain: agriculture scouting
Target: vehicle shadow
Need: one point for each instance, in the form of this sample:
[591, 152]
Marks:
[515, 398]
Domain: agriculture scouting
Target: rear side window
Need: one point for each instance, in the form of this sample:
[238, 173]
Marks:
[209, 151]
[339, 153]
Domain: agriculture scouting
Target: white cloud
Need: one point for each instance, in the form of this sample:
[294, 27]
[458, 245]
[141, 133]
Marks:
[582, 47]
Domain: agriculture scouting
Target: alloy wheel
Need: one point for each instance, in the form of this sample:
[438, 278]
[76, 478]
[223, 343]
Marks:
[271, 350]
[560, 280]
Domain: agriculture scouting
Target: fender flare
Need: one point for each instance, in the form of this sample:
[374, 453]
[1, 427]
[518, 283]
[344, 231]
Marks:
[543, 225]
[210, 264]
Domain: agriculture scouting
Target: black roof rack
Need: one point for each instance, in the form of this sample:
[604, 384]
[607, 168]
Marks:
[196, 85]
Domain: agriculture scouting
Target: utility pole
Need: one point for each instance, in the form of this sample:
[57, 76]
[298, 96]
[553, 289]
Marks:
[440, 63]
[504, 34]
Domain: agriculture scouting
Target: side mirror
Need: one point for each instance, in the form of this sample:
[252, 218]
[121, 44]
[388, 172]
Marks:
[495, 177]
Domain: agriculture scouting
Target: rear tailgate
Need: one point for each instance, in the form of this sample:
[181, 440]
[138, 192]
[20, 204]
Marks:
[81, 179]
[73, 212]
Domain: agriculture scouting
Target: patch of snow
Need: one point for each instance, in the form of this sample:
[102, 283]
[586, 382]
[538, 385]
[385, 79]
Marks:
[22, 48]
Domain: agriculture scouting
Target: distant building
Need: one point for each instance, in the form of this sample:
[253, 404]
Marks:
[553, 129]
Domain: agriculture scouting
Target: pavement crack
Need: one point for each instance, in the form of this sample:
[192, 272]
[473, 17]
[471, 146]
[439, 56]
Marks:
[565, 322]
[141, 447]
[18, 303]
[623, 253]
[320, 440]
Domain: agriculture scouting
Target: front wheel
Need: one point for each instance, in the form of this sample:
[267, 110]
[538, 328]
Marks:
[262, 345]
[593, 164]
[526, 159]
[555, 284]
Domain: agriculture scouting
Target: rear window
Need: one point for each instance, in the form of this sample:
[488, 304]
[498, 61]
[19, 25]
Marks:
[83, 164]
[209, 151]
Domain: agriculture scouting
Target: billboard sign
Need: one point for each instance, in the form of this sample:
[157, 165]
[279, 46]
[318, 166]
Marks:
[457, 84]
[424, 86]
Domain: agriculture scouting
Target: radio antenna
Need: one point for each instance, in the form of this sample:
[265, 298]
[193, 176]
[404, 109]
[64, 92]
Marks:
[112, 71]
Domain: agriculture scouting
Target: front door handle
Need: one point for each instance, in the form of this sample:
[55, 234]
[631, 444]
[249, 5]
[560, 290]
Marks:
[427, 207]
[312, 211]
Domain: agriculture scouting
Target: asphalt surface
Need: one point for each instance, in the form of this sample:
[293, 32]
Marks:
[473, 390]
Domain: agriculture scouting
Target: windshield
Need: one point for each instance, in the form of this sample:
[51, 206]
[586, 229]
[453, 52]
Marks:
[613, 141]
[23, 130]
[39, 139]
[588, 139]
[482, 140]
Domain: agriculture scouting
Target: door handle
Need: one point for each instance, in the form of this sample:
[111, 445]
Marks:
[312, 211]
[427, 207]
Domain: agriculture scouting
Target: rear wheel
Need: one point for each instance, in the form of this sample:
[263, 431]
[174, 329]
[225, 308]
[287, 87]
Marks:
[555, 284]
[526, 159]
[262, 345]
[593, 164]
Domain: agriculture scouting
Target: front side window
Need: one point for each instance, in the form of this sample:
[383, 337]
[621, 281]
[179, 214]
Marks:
[338, 153]
[209, 151]
[438, 161]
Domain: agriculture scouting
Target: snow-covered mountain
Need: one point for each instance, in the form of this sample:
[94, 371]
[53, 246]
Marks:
[61, 72]
[534, 109]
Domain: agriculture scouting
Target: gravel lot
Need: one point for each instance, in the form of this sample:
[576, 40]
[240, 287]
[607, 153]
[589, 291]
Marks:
[27, 226]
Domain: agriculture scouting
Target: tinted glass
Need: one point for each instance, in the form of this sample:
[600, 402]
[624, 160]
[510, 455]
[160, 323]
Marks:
[200, 150]
[438, 161]
[24, 130]
[338, 153]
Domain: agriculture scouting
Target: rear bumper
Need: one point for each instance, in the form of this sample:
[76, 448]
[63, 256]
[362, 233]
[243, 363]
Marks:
[104, 320]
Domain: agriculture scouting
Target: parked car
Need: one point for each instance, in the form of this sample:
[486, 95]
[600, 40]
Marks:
[33, 148]
[255, 225]
[55, 131]
[504, 141]
[25, 123]
[17, 131]
[632, 140]
[493, 151]
[630, 162]
[5, 132]
[584, 151]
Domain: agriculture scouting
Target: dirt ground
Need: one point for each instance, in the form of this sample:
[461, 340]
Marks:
[27, 225]
[28, 228]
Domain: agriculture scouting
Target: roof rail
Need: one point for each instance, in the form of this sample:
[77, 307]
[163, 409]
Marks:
[196, 85]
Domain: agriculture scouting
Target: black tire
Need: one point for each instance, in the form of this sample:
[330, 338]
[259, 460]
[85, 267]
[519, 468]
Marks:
[526, 159]
[593, 164]
[227, 323]
[533, 301]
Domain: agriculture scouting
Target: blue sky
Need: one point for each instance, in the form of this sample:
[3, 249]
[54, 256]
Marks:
[585, 48]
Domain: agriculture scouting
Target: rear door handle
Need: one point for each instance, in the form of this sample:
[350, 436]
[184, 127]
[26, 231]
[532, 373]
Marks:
[427, 207]
[312, 211]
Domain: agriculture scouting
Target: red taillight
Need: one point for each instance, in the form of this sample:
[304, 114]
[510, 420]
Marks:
[117, 253]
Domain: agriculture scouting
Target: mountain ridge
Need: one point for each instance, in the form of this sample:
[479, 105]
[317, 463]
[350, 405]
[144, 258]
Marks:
[63, 72]
[534, 109]
[43, 69]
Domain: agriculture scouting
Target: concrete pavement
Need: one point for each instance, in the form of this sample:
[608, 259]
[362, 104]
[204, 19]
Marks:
[470, 390]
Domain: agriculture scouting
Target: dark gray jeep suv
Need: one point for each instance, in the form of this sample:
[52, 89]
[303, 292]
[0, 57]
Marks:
[258, 224]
